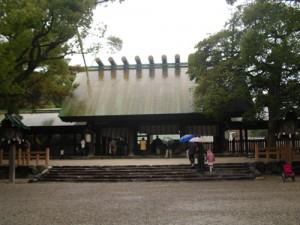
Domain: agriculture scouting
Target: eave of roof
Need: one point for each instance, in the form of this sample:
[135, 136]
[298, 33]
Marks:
[43, 118]
[169, 118]
[13, 121]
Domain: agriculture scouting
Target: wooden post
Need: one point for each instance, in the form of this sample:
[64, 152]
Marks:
[288, 152]
[12, 162]
[256, 153]
[1, 156]
[281, 153]
[19, 156]
[23, 158]
[47, 156]
[267, 155]
[28, 156]
[277, 154]
[37, 159]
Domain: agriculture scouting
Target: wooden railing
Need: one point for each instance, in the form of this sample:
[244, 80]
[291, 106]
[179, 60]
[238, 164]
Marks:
[296, 153]
[266, 154]
[283, 153]
[239, 147]
[25, 157]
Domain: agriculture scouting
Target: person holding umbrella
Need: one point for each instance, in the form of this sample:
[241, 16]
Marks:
[186, 138]
[201, 152]
[201, 156]
[192, 148]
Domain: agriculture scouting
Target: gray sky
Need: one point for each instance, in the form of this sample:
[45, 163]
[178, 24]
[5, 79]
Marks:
[158, 27]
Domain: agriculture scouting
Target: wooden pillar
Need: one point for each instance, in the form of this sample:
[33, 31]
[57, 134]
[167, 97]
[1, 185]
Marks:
[219, 139]
[241, 141]
[277, 154]
[233, 145]
[19, 156]
[12, 162]
[1, 156]
[148, 146]
[288, 152]
[47, 156]
[28, 156]
[75, 144]
[131, 140]
[246, 141]
[256, 153]
[267, 155]
[182, 145]
[37, 159]
[23, 158]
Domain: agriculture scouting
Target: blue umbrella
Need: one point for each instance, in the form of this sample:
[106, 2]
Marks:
[186, 138]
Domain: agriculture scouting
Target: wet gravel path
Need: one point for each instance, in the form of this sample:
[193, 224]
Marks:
[268, 201]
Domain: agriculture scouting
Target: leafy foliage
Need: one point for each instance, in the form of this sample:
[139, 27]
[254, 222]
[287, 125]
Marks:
[216, 68]
[35, 37]
[232, 2]
[255, 58]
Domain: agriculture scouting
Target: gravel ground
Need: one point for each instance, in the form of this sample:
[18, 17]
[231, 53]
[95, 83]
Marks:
[269, 201]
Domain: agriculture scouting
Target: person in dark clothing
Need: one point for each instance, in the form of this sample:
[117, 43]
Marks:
[82, 147]
[201, 157]
[156, 146]
[192, 149]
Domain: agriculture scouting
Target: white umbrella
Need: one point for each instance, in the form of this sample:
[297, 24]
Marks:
[167, 140]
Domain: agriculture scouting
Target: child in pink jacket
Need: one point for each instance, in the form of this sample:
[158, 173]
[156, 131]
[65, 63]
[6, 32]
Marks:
[210, 158]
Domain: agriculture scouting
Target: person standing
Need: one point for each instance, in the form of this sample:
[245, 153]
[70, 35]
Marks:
[82, 147]
[192, 148]
[201, 157]
[143, 146]
[156, 145]
[169, 150]
[210, 158]
[113, 147]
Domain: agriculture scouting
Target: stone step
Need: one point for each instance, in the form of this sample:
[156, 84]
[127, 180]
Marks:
[145, 173]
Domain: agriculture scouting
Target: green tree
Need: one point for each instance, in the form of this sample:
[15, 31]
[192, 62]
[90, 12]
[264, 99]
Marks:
[35, 38]
[266, 57]
[231, 2]
[216, 68]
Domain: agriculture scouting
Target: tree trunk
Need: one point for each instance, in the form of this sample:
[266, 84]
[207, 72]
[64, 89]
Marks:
[272, 129]
[272, 125]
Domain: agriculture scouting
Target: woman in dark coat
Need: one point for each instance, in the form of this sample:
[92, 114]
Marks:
[201, 156]
[192, 149]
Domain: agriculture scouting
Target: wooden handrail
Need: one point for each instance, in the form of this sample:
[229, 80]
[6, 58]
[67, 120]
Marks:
[25, 157]
[268, 152]
[285, 153]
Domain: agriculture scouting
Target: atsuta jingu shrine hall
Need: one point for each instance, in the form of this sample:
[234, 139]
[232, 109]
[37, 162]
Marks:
[129, 102]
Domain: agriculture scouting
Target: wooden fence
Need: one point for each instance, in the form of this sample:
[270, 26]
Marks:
[25, 157]
[238, 147]
[285, 153]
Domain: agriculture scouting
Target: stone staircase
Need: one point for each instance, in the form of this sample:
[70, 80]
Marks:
[146, 173]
